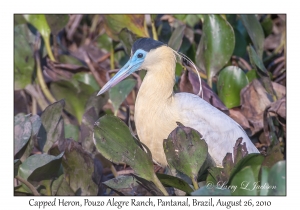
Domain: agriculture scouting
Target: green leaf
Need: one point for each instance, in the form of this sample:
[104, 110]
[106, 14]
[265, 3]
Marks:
[127, 38]
[119, 93]
[245, 181]
[114, 141]
[104, 42]
[240, 48]
[255, 32]
[40, 23]
[87, 79]
[23, 57]
[176, 37]
[40, 167]
[52, 126]
[231, 81]
[264, 180]
[61, 187]
[180, 16]
[251, 75]
[36, 124]
[185, 151]
[57, 22]
[19, 19]
[277, 179]
[78, 167]
[211, 190]
[172, 181]
[17, 163]
[267, 25]
[125, 185]
[75, 93]
[257, 62]
[23, 128]
[216, 45]
[115, 23]
[252, 160]
[71, 131]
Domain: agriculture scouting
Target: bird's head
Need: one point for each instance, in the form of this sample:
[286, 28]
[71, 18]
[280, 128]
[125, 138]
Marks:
[144, 54]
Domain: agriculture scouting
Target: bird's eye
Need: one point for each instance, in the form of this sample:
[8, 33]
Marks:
[140, 55]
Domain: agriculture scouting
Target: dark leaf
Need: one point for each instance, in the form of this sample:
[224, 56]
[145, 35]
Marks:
[75, 93]
[114, 141]
[176, 38]
[148, 185]
[57, 22]
[185, 151]
[39, 167]
[78, 168]
[127, 38]
[23, 128]
[255, 32]
[126, 185]
[171, 181]
[52, 128]
[118, 93]
[211, 190]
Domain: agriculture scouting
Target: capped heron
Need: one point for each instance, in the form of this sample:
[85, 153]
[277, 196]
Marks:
[158, 108]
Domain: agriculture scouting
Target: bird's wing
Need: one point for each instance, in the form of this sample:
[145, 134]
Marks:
[219, 130]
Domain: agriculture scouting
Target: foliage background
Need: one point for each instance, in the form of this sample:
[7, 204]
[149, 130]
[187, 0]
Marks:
[76, 88]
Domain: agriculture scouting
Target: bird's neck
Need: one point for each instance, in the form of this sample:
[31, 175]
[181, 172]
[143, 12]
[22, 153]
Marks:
[158, 83]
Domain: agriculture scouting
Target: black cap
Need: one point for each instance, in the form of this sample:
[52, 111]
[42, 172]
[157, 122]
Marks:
[146, 44]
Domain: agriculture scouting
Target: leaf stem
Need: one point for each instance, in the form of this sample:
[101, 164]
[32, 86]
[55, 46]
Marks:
[28, 184]
[48, 48]
[159, 185]
[112, 58]
[195, 184]
[155, 37]
[42, 81]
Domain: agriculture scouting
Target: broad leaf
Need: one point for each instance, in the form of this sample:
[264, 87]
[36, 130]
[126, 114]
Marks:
[39, 167]
[231, 81]
[57, 22]
[115, 23]
[216, 45]
[118, 93]
[127, 38]
[211, 190]
[23, 128]
[172, 181]
[75, 93]
[126, 185]
[176, 38]
[277, 179]
[78, 168]
[255, 32]
[114, 141]
[40, 23]
[23, 57]
[185, 151]
[52, 126]
[245, 182]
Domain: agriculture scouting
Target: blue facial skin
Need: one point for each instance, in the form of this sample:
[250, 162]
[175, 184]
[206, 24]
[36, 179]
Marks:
[131, 66]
